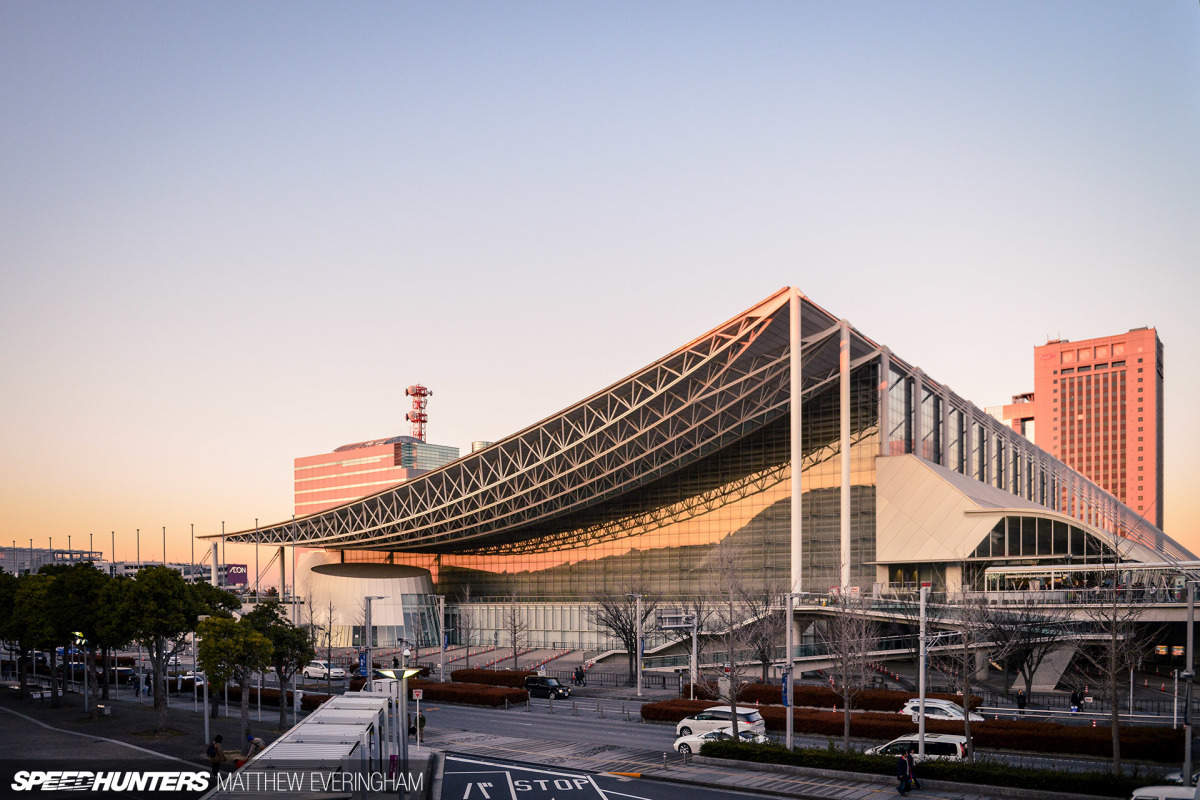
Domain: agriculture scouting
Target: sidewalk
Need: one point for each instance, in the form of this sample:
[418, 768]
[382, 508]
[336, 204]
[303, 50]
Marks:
[129, 730]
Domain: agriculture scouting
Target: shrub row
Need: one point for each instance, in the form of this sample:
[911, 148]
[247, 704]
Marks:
[825, 697]
[493, 677]
[983, 772]
[1151, 743]
[472, 694]
[475, 694]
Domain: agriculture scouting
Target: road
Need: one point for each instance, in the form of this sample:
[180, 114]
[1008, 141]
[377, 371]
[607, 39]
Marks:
[475, 778]
[606, 722]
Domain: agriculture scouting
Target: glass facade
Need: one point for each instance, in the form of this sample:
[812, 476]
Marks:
[661, 538]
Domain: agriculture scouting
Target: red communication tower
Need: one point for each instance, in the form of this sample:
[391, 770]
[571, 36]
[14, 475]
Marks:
[417, 416]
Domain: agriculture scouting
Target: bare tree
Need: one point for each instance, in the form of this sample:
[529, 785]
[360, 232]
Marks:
[1028, 632]
[468, 624]
[617, 614]
[729, 617]
[849, 635]
[973, 624]
[518, 629]
[767, 623]
[1123, 644]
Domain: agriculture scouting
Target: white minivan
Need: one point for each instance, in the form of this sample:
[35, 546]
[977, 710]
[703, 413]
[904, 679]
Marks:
[710, 719]
[1163, 793]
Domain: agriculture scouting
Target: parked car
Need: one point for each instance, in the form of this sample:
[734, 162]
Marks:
[1163, 793]
[939, 746]
[541, 686]
[121, 675]
[323, 670]
[937, 709]
[692, 742]
[1177, 777]
[720, 717]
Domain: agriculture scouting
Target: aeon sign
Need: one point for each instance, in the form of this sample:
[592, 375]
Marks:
[235, 574]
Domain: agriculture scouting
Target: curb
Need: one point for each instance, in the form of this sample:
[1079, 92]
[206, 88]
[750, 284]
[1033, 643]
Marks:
[884, 780]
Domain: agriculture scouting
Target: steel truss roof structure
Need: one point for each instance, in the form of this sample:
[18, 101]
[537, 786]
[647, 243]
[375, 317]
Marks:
[528, 492]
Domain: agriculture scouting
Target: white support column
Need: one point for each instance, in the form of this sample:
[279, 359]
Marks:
[918, 396]
[844, 375]
[215, 560]
[283, 576]
[885, 385]
[945, 437]
[969, 459]
[797, 451]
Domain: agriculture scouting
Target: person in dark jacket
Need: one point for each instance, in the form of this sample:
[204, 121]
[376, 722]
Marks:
[903, 774]
[1021, 700]
[912, 767]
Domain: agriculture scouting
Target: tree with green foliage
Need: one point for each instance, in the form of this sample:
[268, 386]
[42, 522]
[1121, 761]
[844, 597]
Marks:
[31, 626]
[8, 598]
[291, 647]
[232, 649]
[162, 608]
[73, 609]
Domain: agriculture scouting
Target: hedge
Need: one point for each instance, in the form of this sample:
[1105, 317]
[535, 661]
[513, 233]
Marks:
[825, 697]
[1150, 743]
[982, 772]
[475, 694]
[493, 677]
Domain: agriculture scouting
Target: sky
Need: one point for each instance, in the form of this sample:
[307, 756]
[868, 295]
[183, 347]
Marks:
[232, 233]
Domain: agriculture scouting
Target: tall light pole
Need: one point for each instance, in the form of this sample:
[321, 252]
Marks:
[441, 637]
[638, 642]
[1189, 677]
[370, 668]
[921, 680]
[788, 662]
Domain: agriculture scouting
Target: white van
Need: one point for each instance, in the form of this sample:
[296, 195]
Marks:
[1164, 793]
[938, 746]
[710, 719]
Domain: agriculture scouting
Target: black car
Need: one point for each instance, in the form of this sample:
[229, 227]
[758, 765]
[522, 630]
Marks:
[539, 686]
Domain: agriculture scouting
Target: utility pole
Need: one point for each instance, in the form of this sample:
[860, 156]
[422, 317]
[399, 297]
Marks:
[921, 679]
[1189, 677]
[788, 662]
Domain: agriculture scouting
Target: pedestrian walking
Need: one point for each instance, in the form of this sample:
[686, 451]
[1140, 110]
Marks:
[216, 754]
[1021, 699]
[903, 775]
[912, 767]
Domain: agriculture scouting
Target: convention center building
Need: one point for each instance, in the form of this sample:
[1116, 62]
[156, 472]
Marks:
[900, 482]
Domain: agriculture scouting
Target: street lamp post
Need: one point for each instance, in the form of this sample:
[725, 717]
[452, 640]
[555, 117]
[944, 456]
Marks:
[638, 642]
[402, 723]
[1189, 677]
[788, 662]
[369, 669]
[921, 680]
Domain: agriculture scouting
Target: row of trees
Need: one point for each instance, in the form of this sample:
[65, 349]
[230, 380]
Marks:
[78, 606]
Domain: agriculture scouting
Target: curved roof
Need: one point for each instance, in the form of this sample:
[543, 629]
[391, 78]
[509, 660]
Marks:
[704, 395]
[527, 489]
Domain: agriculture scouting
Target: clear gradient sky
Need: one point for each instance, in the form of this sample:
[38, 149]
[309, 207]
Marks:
[232, 233]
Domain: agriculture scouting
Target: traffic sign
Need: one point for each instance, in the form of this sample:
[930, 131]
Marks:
[418, 694]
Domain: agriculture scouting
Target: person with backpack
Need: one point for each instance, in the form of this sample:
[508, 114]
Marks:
[216, 754]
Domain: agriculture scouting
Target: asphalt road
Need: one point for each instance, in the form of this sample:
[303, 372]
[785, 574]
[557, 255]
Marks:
[613, 721]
